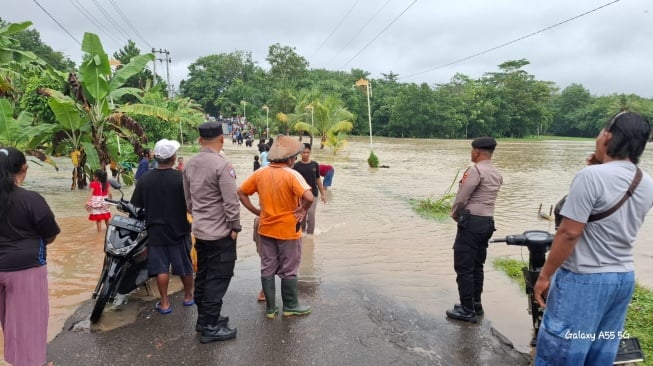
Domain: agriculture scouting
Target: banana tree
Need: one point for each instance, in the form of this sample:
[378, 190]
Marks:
[328, 116]
[86, 118]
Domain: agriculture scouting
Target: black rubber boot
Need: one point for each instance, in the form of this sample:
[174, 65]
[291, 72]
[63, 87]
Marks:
[269, 290]
[289, 295]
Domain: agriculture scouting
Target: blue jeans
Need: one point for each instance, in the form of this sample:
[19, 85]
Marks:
[328, 178]
[584, 318]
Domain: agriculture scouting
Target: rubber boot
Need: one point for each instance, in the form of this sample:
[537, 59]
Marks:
[269, 290]
[289, 295]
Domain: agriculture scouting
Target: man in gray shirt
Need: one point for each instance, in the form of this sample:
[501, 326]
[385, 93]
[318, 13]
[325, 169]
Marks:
[589, 273]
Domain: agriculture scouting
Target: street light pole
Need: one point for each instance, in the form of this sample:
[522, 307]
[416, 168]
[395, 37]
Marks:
[362, 82]
[267, 121]
[244, 110]
[311, 108]
[311, 134]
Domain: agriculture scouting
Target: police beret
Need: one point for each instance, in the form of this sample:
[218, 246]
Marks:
[485, 143]
[210, 129]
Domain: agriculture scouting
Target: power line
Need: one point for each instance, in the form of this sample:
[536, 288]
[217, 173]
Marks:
[335, 29]
[379, 34]
[358, 32]
[111, 20]
[93, 19]
[511, 42]
[59, 24]
[130, 24]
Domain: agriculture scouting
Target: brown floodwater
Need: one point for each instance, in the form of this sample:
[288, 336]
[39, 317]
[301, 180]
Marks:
[368, 234]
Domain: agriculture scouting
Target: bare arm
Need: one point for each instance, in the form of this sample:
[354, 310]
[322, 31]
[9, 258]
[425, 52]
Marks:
[320, 187]
[244, 199]
[563, 244]
[307, 201]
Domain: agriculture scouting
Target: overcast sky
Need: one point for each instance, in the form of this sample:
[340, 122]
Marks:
[608, 50]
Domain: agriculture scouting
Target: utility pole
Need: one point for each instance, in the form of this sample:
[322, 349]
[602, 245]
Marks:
[154, 67]
[164, 56]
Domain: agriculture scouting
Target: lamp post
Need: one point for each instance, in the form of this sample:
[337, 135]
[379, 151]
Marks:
[364, 83]
[244, 103]
[267, 121]
[310, 106]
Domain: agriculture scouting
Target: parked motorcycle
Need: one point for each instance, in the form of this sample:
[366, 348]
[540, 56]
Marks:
[538, 243]
[125, 259]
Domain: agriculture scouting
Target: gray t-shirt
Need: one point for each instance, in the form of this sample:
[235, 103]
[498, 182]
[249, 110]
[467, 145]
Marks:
[606, 245]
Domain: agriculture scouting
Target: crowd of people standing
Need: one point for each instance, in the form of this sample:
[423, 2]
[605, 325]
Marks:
[591, 255]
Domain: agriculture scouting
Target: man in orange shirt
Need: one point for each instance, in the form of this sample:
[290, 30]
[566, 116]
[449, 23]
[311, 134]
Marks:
[284, 197]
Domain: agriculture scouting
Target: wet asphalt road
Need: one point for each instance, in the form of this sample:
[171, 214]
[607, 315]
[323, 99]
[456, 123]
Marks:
[349, 326]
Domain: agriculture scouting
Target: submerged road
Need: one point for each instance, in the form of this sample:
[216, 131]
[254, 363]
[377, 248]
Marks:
[349, 326]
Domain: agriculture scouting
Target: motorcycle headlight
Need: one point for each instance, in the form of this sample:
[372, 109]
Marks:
[119, 241]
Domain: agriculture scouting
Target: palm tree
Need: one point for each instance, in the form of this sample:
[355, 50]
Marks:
[329, 116]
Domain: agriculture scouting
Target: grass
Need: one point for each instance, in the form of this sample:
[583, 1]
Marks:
[639, 319]
[437, 207]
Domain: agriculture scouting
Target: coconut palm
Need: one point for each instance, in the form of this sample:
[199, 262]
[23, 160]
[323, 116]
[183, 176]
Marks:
[329, 116]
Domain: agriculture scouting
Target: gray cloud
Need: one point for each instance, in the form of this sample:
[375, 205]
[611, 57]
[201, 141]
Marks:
[607, 51]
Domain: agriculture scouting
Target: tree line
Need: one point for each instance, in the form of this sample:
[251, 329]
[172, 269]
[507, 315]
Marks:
[107, 109]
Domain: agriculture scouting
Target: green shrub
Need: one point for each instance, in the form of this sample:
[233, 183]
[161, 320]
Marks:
[373, 160]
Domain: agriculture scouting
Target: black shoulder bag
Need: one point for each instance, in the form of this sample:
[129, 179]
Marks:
[629, 192]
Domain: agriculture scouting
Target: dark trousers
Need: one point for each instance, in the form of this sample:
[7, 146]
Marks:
[469, 254]
[215, 267]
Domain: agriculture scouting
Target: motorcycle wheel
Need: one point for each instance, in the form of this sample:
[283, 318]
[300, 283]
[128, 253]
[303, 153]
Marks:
[101, 301]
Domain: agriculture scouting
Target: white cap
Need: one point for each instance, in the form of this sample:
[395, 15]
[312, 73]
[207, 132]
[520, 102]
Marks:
[165, 148]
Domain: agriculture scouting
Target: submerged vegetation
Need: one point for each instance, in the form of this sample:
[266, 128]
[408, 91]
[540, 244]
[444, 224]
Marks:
[438, 207]
[639, 319]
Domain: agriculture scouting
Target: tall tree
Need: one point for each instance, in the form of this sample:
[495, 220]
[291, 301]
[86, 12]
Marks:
[210, 76]
[524, 100]
[287, 68]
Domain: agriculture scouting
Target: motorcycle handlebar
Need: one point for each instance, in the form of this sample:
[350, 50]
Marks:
[497, 240]
[113, 202]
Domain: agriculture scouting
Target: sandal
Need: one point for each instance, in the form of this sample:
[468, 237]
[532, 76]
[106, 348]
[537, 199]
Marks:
[161, 310]
[190, 302]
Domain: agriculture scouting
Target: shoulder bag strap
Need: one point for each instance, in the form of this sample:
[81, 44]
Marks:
[629, 192]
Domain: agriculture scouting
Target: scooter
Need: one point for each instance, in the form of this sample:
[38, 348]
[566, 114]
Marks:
[538, 243]
[125, 259]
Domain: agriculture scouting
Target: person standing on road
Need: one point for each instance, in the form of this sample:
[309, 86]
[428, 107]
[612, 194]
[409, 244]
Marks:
[212, 200]
[284, 198]
[143, 164]
[310, 170]
[473, 210]
[27, 226]
[589, 273]
[161, 194]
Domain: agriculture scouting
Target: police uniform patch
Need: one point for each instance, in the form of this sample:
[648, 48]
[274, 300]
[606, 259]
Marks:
[464, 176]
[232, 171]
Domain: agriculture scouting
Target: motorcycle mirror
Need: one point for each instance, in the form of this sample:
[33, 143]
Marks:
[114, 184]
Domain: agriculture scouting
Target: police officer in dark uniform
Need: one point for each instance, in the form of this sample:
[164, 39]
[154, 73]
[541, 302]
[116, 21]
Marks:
[473, 210]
